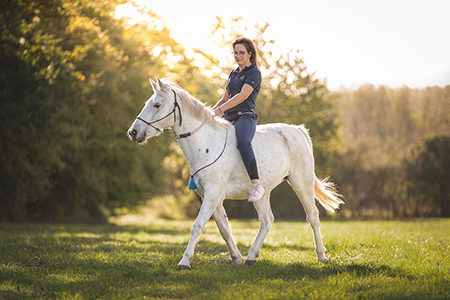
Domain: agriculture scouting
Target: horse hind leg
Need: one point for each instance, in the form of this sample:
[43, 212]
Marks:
[266, 219]
[305, 192]
[220, 216]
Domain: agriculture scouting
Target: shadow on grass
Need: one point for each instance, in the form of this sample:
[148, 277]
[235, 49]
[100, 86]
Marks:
[46, 262]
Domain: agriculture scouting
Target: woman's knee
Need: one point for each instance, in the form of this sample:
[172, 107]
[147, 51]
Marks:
[243, 143]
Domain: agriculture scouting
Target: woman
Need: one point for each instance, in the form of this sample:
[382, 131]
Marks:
[238, 107]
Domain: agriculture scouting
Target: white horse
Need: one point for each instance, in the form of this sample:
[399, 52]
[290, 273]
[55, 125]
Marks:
[283, 152]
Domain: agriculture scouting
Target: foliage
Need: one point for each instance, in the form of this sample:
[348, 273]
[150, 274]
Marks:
[73, 77]
[381, 124]
[368, 260]
[72, 80]
[427, 170]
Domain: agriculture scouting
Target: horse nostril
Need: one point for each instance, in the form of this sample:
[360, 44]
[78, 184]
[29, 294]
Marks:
[133, 132]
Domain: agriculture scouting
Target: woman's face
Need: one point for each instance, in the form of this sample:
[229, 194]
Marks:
[241, 56]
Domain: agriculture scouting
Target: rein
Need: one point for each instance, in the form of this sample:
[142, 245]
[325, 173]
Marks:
[192, 185]
[176, 105]
[188, 134]
[185, 135]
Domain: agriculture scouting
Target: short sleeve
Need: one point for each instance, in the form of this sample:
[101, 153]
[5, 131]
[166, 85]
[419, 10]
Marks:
[254, 79]
[228, 81]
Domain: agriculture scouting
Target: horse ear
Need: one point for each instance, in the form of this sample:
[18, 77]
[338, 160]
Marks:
[162, 85]
[154, 85]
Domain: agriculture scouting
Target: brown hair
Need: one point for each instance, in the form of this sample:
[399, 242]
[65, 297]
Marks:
[248, 44]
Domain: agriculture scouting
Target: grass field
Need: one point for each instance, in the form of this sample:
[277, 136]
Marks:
[368, 260]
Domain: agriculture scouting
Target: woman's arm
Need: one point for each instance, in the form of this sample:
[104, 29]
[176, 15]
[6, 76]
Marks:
[225, 98]
[226, 103]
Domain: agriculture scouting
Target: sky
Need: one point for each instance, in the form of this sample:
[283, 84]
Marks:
[349, 42]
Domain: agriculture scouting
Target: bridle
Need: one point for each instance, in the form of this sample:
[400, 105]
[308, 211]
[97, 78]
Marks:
[184, 135]
[176, 105]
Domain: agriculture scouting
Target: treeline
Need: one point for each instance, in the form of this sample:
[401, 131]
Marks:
[391, 159]
[395, 159]
[73, 77]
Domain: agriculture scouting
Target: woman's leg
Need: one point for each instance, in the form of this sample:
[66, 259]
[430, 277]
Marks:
[245, 131]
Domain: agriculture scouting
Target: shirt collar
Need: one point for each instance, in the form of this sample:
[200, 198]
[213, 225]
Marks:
[246, 68]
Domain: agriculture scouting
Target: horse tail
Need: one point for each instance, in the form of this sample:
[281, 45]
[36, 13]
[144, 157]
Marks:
[326, 194]
[324, 191]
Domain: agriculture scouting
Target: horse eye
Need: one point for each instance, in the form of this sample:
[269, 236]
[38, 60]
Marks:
[157, 105]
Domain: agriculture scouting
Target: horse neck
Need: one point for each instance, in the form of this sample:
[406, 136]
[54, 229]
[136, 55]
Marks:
[206, 141]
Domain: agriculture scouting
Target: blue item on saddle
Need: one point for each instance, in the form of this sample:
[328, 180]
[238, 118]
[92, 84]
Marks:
[192, 185]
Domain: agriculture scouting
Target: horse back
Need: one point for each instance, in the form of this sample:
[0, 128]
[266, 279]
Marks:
[279, 148]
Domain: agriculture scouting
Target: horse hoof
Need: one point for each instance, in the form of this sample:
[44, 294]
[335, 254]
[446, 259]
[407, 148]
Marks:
[250, 262]
[181, 267]
[324, 260]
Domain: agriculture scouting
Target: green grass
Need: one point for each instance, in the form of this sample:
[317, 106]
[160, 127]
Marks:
[368, 260]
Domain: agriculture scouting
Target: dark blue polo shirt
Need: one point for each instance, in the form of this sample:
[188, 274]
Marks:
[250, 75]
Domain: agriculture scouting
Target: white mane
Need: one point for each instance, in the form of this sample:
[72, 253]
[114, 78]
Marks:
[195, 107]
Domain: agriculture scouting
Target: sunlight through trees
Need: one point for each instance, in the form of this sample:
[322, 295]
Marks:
[74, 75]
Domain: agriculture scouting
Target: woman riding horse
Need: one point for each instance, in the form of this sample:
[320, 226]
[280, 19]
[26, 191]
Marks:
[238, 106]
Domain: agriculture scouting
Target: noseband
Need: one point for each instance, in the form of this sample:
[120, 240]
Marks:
[172, 112]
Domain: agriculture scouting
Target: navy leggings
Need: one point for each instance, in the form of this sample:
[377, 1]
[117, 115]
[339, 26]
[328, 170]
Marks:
[245, 125]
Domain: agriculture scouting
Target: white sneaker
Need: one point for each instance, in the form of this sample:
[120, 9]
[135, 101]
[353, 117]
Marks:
[257, 193]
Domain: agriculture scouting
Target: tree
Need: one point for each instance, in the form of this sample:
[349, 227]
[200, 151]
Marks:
[426, 178]
[72, 79]
[380, 125]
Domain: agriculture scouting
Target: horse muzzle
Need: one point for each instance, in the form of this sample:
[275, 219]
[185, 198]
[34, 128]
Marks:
[134, 135]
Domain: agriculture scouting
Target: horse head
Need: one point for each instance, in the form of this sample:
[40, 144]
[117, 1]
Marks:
[155, 116]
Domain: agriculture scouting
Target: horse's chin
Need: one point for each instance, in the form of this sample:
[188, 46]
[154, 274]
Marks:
[142, 139]
[145, 137]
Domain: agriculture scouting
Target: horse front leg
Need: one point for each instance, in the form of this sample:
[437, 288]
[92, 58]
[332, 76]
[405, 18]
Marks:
[220, 216]
[209, 205]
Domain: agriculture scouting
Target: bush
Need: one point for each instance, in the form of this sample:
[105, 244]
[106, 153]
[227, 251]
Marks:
[426, 178]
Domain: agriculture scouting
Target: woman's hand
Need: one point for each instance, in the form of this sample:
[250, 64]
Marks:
[216, 112]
